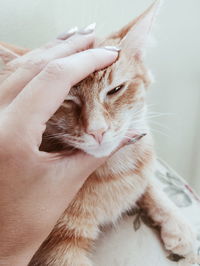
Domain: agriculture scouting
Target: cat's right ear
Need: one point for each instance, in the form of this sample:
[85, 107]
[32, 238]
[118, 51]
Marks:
[133, 38]
[10, 52]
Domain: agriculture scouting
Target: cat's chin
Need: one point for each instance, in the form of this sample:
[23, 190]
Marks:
[99, 152]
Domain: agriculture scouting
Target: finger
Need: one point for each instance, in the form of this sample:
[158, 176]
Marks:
[61, 38]
[8, 55]
[4, 74]
[31, 66]
[86, 163]
[75, 40]
[45, 93]
[75, 43]
[64, 35]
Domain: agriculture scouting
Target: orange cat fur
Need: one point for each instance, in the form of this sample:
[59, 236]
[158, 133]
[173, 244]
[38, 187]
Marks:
[95, 118]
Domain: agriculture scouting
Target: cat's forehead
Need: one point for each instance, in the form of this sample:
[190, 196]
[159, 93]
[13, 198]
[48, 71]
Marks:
[112, 76]
[94, 83]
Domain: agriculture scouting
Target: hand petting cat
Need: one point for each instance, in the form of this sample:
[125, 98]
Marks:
[32, 88]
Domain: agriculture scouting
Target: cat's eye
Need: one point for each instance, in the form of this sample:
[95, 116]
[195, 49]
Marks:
[115, 90]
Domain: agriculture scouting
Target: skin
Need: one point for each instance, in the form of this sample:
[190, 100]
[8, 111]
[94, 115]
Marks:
[34, 186]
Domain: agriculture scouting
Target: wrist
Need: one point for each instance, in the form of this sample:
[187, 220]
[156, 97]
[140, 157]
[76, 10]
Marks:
[15, 254]
[17, 260]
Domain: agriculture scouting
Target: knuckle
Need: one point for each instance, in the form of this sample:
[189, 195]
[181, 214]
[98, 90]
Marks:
[12, 65]
[35, 63]
[6, 71]
[76, 43]
[28, 62]
[54, 69]
[69, 42]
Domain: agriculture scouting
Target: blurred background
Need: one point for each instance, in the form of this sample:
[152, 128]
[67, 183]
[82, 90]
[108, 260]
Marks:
[174, 60]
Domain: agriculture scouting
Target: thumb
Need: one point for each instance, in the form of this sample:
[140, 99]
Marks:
[81, 164]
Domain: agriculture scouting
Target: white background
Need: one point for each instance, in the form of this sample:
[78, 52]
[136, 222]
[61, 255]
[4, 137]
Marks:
[174, 60]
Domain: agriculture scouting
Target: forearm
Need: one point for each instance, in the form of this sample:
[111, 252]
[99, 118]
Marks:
[20, 260]
[16, 248]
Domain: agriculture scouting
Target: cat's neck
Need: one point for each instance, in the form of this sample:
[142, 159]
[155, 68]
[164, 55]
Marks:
[130, 158]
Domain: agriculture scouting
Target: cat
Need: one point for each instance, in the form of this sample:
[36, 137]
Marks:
[95, 117]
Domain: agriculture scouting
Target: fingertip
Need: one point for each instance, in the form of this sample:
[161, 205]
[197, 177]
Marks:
[114, 53]
[101, 57]
[112, 48]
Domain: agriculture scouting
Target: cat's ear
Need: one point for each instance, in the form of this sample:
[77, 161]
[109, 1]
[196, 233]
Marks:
[133, 38]
[10, 52]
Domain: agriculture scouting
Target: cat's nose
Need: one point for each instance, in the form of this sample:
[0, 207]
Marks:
[97, 134]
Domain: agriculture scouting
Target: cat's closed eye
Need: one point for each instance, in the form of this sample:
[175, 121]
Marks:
[116, 89]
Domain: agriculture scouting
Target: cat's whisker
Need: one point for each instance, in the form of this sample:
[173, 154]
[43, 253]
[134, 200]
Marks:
[127, 137]
[151, 105]
[152, 123]
[120, 131]
[71, 137]
[159, 131]
[138, 111]
[72, 149]
[158, 114]
[148, 117]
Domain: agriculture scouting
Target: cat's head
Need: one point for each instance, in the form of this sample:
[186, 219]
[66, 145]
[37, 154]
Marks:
[102, 109]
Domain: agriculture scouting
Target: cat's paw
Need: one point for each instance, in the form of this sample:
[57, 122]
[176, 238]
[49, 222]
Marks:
[178, 237]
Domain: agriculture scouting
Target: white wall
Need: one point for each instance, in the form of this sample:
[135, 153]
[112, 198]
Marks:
[174, 61]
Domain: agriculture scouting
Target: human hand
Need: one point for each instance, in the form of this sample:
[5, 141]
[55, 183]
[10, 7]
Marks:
[36, 187]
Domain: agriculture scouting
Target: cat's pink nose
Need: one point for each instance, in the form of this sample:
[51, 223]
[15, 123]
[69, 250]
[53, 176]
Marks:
[97, 134]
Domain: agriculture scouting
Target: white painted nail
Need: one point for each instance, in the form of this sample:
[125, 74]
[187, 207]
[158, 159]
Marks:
[132, 141]
[89, 29]
[135, 139]
[112, 48]
[73, 30]
[67, 34]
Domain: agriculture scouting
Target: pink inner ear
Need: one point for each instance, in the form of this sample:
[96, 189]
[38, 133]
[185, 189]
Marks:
[134, 36]
[136, 39]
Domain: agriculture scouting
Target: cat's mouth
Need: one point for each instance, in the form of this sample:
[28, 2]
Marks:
[105, 149]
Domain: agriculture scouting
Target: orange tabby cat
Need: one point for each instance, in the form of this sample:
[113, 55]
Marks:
[97, 114]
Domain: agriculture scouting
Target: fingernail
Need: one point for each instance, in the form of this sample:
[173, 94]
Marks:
[112, 48]
[89, 29]
[73, 30]
[69, 33]
[132, 141]
[135, 139]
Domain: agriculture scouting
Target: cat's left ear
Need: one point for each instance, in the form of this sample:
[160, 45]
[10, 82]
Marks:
[10, 52]
[134, 36]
